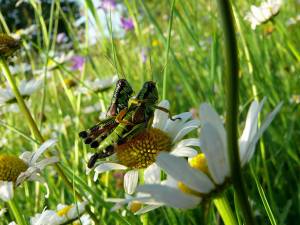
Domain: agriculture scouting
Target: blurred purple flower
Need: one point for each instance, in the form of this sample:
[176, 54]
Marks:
[77, 62]
[108, 5]
[127, 24]
[144, 53]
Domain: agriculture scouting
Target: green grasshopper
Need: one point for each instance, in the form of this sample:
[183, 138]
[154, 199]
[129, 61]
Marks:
[138, 117]
[118, 105]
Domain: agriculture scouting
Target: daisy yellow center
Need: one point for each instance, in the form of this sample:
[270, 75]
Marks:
[198, 162]
[141, 151]
[64, 211]
[11, 167]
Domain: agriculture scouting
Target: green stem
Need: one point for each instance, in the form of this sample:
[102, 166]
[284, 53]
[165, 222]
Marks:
[15, 210]
[20, 100]
[34, 128]
[168, 50]
[232, 98]
[225, 211]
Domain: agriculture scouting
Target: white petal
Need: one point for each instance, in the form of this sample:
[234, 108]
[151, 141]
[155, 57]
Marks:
[47, 144]
[152, 174]
[173, 127]
[45, 162]
[184, 152]
[77, 209]
[37, 177]
[47, 217]
[213, 149]
[161, 117]
[130, 181]
[104, 167]
[147, 209]
[26, 156]
[209, 115]
[188, 127]
[264, 126]
[170, 196]
[170, 181]
[180, 170]
[47, 190]
[30, 174]
[189, 142]
[250, 127]
[121, 202]
[6, 190]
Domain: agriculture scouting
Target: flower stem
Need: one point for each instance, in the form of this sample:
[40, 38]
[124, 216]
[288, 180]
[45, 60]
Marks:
[33, 127]
[16, 212]
[20, 100]
[232, 98]
[225, 211]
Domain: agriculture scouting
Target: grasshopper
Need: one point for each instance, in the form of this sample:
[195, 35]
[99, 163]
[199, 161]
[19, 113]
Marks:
[119, 103]
[137, 118]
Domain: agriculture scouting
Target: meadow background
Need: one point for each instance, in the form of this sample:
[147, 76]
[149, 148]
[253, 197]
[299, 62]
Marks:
[69, 101]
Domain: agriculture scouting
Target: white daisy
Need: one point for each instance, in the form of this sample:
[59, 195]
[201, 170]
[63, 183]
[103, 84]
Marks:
[61, 215]
[140, 152]
[14, 171]
[263, 13]
[26, 88]
[27, 32]
[208, 172]
[169, 195]
[19, 68]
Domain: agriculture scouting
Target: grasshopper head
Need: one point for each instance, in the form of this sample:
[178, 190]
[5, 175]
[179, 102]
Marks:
[149, 92]
[124, 87]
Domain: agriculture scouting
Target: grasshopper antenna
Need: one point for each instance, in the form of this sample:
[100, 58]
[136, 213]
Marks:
[164, 67]
[151, 69]
[119, 73]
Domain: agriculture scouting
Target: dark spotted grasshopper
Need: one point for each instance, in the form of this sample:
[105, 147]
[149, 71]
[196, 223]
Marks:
[130, 122]
[119, 104]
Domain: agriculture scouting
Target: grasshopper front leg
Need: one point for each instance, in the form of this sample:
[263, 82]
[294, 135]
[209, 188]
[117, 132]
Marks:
[167, 111]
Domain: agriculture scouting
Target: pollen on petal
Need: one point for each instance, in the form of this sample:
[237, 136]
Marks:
[11, 167]
[199, 162]
[135, 206]
[141, 151]
[188, 190]
[64, 211]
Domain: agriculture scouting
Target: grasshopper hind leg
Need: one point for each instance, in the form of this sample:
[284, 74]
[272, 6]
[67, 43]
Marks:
[108, 152]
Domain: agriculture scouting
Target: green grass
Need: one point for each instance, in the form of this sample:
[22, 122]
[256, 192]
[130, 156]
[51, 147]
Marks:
[269, 66]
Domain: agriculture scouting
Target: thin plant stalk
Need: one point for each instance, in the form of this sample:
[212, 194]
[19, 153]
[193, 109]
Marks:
[225, 210]
[232, 100]
[167, 51]
[16, 212]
